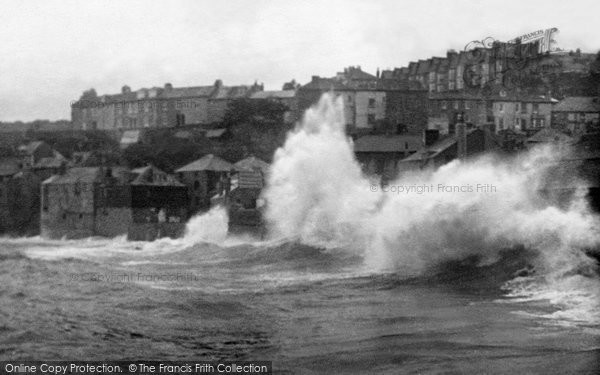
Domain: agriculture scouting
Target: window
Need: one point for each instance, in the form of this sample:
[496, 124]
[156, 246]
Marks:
[517, 107]
[451, 85]
[371, 102]
[501, 123]
[538, 122]
[456, 105]
[467, 104]
[571, 117]
[196, 185]
[179, 119]
[444, 104]
[536, 107]
[501, 107]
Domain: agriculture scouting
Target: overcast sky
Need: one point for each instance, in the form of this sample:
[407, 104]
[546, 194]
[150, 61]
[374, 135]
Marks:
[53, 50]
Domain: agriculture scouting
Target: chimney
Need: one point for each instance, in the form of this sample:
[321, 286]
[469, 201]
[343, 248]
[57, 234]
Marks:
[315, 78]
[125, 89]
[461, 137]
[168, 86]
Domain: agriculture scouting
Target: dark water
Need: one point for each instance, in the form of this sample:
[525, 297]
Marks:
[309, 311]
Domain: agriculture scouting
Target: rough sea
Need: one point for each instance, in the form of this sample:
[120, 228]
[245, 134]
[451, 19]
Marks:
[352, 279]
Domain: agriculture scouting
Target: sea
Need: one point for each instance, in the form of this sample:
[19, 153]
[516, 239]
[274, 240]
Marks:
[422, 275]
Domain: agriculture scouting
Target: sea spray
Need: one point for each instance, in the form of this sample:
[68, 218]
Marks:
[317, 195]
[207, 227]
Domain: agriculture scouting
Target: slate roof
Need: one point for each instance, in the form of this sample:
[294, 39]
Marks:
[252, 163]
[280, 94]
[30, 147]
[578, 104]
[184, 92]
[51, 162]
[86, 175]
[150, 175]
[435, 149]
[550, 135]
[209, 162]
[216, 91]
[382, 143]
[231, 92]
[325, 84]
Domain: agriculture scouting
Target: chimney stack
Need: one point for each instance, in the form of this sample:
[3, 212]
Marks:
[461, 137]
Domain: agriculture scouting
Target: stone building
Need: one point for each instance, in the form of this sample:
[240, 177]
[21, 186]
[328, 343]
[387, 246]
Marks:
[156, 107]
[463, 144]
[285, 97]
[379, 155]
[369, 101]
[19, 197]
[203, 179]
[577, 115]
[32, 152]
[100, 201]
[522, 112]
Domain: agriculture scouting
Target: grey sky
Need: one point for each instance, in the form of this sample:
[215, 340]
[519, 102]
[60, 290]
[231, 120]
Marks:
[53, 50]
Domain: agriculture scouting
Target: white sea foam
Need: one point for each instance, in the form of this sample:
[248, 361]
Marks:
[318, 195]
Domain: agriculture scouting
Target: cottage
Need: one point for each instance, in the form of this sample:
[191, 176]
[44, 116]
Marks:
[203, 178]
[577, 115]
[19, 196]
[144, 203]
[32, 152]
[465, 143]
[159, 205]
[379, 155]
[244, 201]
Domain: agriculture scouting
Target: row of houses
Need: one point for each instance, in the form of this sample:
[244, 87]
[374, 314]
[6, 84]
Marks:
[165, 107]
[147, 203]
[426, 94]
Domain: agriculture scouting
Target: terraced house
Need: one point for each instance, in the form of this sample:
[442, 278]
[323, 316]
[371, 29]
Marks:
[156, 107]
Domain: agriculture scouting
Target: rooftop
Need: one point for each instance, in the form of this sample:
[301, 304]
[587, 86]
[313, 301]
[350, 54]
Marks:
[150, 175]
[578, 104]
[384, 143]
[209, 162]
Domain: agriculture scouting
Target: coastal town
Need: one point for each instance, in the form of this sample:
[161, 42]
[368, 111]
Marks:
[141, 162]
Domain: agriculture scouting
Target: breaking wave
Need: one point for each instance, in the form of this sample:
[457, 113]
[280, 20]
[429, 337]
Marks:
[318, 196]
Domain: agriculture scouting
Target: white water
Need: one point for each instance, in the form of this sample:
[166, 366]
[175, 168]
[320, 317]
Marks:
[318, 196]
